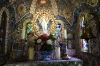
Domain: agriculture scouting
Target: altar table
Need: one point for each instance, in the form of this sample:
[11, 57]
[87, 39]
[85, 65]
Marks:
[70, 62]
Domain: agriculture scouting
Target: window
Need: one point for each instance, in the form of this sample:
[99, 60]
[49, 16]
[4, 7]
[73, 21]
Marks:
[28, 30]
[58, 30]
[84, 44]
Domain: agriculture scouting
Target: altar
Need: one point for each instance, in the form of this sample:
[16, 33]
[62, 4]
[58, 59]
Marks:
[71, 62]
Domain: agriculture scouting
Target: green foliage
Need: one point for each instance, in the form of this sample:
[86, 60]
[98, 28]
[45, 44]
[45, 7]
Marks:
[47, 47]
[52, 37]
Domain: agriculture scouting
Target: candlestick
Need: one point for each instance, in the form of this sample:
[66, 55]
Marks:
[57, 51]
[31, 53]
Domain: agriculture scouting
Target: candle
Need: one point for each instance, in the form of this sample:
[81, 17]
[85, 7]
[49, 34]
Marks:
[31, 53]
[65, 34]
[66, 50]
[57, 51]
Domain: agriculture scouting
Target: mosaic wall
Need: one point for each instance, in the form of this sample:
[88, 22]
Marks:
[67, 10]
[90, 59]
[95, 47]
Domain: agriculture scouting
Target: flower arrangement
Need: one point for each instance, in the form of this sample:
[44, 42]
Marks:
[46, 42]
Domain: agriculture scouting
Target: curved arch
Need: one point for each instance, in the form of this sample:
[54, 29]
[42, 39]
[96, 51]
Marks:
[7, 25]
[12, 14]
[27, 16]
[24, 28]
[36, 26]
[32, 8]
[76, 15]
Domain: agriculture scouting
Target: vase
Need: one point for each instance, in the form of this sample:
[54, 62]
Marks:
[46, 55]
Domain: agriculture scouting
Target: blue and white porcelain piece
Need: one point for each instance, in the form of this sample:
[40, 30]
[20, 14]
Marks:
[46, 55]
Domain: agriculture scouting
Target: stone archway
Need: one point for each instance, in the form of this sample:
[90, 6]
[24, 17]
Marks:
[4, 11]
[24, 28]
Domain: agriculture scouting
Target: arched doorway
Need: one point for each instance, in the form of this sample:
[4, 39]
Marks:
[4, 18]
[3, 31]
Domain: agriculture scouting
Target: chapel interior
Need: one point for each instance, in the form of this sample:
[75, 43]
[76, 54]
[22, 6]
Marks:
[21, 21]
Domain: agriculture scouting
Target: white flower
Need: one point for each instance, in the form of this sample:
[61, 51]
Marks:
[39, 41]
[49, 41]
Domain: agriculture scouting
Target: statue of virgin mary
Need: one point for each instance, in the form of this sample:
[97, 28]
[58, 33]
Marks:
[44, 24]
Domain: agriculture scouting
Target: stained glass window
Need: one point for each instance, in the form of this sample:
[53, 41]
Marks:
[58, 30]
[28, 30]
[84, 44]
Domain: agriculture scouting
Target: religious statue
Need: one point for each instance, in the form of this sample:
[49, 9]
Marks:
[44, 26]
[44, 23]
